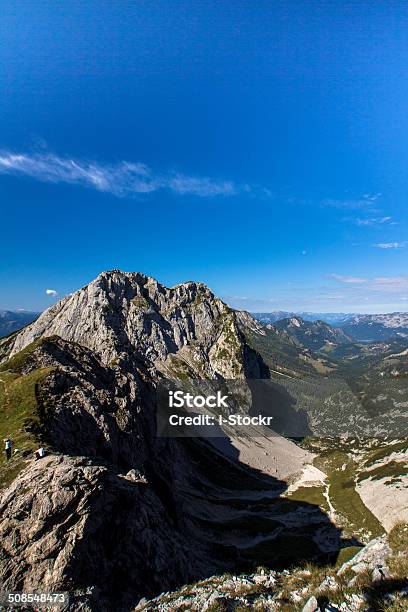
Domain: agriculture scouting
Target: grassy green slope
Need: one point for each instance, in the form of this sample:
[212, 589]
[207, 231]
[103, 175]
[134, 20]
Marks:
[22, 411]
[282, 356]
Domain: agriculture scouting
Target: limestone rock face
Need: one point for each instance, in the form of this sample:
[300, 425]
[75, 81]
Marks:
[132, 316]
[114, 513]
[372, 556]
[102, 515]
[90, 409]
[66, 521]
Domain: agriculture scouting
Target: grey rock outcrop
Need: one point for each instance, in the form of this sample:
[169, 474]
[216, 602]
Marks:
[371, 557]
[311, 605]
[65, 520]
[131, 316]
[112, 512]
[115, 513]
[85, 518]
[293, 589]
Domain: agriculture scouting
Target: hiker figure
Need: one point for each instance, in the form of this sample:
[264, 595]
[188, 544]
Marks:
[381, 572]
[8, 443]
[39, 453]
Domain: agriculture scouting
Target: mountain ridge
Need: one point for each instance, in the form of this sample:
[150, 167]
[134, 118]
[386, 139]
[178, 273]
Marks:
[359, 327]
[332, 318]
[312, 334]
[129, 514]
[88, 368]
[131, 313]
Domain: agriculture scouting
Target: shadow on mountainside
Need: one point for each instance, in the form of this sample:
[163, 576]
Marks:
[200, 515]
[125, 514]
[263, 526]
[272, 399]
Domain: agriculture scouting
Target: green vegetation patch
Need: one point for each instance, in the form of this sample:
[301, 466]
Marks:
[398, 538]
[392, 469]
[384, 450]
[248, 525]
[140, 302]
[20, 360]
[347, 553]
[398, 566]
[178, 369]
[283, 549]
[229, 348]
[341, 472]
[311, 495]
[22, 417]
[279, 353]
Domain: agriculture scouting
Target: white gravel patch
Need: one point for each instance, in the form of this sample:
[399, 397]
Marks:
[387, 501]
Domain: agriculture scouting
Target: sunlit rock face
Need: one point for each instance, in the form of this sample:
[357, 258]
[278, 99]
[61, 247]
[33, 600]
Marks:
[132, 316]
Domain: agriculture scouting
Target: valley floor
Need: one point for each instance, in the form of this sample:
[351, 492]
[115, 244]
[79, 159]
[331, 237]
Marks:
[361, 485]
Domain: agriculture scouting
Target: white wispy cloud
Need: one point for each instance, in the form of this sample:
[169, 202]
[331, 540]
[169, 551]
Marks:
[373, 221]
[382, 284]
[391, 245]
[366, 202]
[121, 179]
[389, 283]
[354, 280]
[51, 293]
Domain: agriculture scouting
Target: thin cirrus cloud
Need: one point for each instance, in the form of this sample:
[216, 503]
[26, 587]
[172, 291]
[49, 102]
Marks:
[383, 284]
[366, 202]
[391, 245]
[121, 179]
[351, 280]
[373, 221]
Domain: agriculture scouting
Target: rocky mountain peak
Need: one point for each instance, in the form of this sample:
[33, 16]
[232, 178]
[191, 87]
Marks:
[312, 334]
[128, 315]
[296, 321]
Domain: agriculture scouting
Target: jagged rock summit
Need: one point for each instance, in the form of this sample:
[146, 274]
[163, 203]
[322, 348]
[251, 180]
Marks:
[114, 512]
[132, 316]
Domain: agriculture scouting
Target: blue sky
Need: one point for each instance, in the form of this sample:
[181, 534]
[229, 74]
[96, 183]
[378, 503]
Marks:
[258, 147]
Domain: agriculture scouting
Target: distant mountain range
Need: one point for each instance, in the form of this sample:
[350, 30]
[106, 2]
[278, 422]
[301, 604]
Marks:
[332, 318]
[312, 335]
[358, 327]
[369, 328]
[11, 321]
